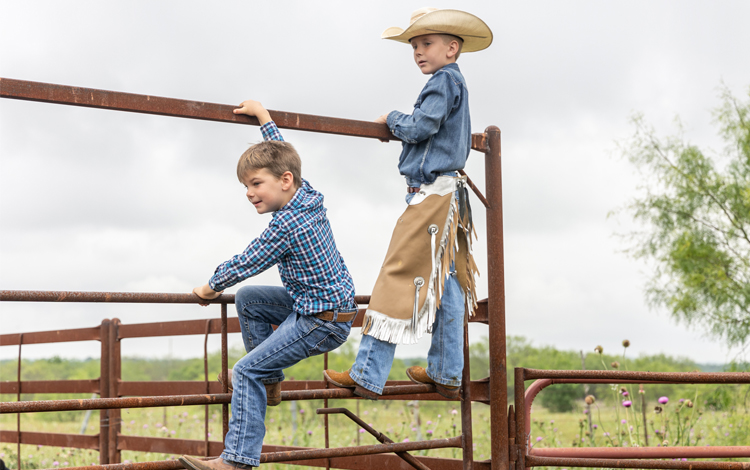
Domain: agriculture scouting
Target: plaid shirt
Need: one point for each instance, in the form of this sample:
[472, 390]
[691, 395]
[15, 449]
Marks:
[300, 241]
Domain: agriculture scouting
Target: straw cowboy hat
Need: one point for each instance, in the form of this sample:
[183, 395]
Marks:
[475, 32]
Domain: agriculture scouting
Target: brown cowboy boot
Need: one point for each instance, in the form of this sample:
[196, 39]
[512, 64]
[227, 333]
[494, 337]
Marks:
[191, 463]
[343, 380]
[419, 375]
[273, 391]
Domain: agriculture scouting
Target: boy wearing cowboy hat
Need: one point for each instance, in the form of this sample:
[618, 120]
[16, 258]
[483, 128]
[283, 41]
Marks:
[426, 282]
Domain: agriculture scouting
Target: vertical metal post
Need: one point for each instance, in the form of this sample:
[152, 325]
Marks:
[521, 438]
[224, 367]
[208, 390]
[467, 441]
[104, 392]
[496, 303]
[325, 416]
[18, 416]
[114, 382]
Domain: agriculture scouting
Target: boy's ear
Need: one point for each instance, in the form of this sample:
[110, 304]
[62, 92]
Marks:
[453, 48]
[287, 180]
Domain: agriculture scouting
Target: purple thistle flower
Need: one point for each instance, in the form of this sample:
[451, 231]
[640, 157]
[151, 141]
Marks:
[627, 403]
[429, 432]
[538, 438]
[625, 393]
[361, 431]
[302, 411]
[595, 426]
[624, 421]
[309, 433]
[682, 400]
[406, 440]
[664, 400]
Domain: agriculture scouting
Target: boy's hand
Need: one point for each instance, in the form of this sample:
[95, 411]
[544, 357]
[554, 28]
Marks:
[206, 293]
[382, 120]
[254, 108]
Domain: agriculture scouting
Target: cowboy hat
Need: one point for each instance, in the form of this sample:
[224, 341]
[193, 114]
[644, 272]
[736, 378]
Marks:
[474, 32]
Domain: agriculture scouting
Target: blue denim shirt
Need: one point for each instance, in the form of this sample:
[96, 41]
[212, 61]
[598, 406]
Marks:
[437, 135]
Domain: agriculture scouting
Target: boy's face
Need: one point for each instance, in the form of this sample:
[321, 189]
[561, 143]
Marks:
[431, 53]
[266, 192]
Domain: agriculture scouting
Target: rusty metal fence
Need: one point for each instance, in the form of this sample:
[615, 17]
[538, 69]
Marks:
[509, 431]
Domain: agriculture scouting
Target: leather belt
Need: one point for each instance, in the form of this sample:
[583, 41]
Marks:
[341, 318]
[410, 189]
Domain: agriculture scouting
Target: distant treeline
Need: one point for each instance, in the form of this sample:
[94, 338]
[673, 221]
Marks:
[520, 353]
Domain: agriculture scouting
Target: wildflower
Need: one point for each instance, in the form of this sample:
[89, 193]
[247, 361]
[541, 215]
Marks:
[627, 403]
[132, 422]
[554, 430]
[552, 421]
[302, 411]
[605, 434]
[361, 431]
[682, 400]
[585, 412]
[309, 433]
[55, 463]
[599, 349]
[173, 432]
[689, 404]
[658, 431]
[538, 438]
[366, 413]
[641, 391]
[413, 429]
[590, 400]
[624, 421]
[615, 365]
[595, 426]
[625, 343]
[658, 409]
[145, 426]
[440, 416]
[429, 423]
[429, 432]
[665, 443]
[664, 400]
[406, 440]
[625, 393]
[454, 412]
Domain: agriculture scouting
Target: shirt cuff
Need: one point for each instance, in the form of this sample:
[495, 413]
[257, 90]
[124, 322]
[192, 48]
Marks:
[270, 131]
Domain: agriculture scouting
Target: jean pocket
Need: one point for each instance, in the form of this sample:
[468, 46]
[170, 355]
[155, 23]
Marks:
[330, 342]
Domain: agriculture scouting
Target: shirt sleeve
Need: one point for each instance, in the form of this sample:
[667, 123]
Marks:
[438, 98]
[264, 252]
[271, 132]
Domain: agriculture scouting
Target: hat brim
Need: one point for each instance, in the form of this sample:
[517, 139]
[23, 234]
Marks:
[474, 32]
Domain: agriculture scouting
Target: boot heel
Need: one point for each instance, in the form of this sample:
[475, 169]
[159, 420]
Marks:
[364, 393]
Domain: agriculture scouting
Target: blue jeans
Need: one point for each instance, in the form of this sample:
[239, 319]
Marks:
[445, 360]
[268, 353]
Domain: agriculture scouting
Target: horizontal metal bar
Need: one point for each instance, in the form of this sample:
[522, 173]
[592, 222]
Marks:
[78, 441]
[394, 392]
[533, 461]
[121, 297]
[130, 102]
[692, 452]
[51, 386]
[360, 450]
[360, 462]
[167, 445]
[55, 336]
[146, 104]
[620, 375]
[113, 403]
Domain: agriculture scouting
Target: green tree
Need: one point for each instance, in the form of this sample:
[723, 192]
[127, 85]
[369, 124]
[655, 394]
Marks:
[695, 210]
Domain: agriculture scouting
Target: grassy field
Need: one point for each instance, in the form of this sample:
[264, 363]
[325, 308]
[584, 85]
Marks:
[298, 424]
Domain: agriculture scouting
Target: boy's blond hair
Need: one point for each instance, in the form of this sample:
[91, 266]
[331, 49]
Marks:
[275, 156]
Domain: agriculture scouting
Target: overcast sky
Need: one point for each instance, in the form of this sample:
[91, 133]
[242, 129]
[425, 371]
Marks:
[96, 200]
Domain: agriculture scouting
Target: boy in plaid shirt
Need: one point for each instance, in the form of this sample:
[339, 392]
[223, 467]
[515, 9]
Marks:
[314, 309]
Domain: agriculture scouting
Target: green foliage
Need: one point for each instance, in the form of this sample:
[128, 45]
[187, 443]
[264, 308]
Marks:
[696, 212]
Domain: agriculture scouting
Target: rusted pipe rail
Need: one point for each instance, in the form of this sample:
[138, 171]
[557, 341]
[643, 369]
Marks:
[692, 452]
[186, 400]
[532, 461]
[121, 297]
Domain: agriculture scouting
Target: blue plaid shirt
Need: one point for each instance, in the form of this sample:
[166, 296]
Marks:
[300, 241]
